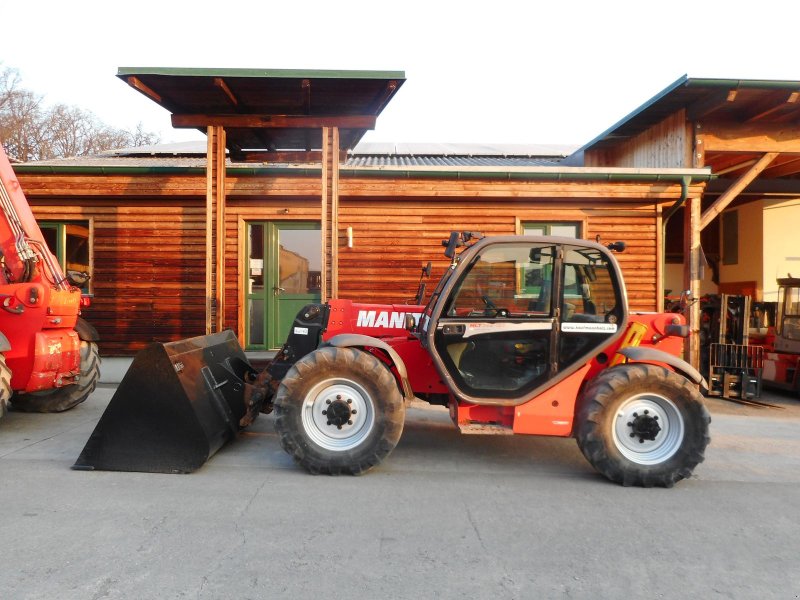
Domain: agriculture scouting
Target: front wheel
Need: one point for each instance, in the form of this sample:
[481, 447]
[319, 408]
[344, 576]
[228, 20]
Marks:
[339, 410]
[64, 398]
[5, 385]
[643, 425]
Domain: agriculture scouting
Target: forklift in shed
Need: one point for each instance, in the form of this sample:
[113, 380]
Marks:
[522, 335]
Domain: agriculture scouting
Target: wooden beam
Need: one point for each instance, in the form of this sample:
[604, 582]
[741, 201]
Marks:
[776, 107]
[274, 121]
[698, 147]
[299, 156]
[736, 167]
[305, 96]
[725, 199]
[209, 232]
[734, 137]
[382, 99]
[220, 222]
[220, 83]
[700, 108]
[138, 84]
[787, 167]
[330, 213]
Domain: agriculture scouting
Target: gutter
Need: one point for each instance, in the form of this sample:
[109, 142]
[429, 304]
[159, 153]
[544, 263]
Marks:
[685, 176]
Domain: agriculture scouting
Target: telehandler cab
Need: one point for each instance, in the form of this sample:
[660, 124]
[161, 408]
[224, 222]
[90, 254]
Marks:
[522, 335]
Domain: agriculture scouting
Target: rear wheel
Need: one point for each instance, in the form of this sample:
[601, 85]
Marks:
[5, 385]
[64, 398]
[643, 425]
[339, 410]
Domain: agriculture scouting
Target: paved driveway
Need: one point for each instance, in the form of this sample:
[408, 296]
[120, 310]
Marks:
[447, 516]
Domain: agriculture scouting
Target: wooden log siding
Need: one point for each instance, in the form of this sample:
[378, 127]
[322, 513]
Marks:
[149, 270]
[149, 236]
[391, 241]
[667, 144]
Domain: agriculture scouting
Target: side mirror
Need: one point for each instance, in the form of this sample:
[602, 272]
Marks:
[536, 255]
[453, 243]
[426, 270]
[411, 322]
[78, 278]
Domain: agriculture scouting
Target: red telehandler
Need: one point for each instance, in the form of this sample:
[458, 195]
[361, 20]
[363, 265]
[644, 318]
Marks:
[522, 335]
[48, 354]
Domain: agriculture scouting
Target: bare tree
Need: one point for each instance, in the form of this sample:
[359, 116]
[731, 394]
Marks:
[29, 131]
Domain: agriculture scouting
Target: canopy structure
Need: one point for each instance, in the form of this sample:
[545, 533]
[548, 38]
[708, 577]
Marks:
[268, 115]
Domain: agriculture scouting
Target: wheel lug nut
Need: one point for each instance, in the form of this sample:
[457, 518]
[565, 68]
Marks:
[635, 415]
[338, 427]
[632, 434]
[641, 440]
[324, 412]
[349, 422]
[630, 424]
[328, 402]
[329, 422]
[338, 396]
[647, 412]
[349, 401]
[655, 418]
[354, 411]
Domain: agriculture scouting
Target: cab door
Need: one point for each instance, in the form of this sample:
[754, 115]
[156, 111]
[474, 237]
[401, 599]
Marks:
[495, 335]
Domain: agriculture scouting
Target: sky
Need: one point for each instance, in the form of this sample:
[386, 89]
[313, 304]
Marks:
[521, 72]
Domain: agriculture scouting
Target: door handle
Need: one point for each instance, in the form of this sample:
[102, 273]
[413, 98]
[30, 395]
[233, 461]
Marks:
[277, 290]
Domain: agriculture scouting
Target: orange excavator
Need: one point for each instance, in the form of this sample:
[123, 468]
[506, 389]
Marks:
[49, 360]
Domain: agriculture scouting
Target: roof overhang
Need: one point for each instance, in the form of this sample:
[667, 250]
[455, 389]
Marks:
[270, 114]
[745, 101]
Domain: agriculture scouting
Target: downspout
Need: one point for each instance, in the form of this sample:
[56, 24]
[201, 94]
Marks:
[670, 213]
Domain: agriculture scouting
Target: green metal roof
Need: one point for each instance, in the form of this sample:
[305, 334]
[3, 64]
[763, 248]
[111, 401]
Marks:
[317, 94]
[123, 72]
[700, 94]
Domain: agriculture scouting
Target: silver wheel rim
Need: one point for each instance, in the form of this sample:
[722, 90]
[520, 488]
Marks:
[334, 394]
[639, 449]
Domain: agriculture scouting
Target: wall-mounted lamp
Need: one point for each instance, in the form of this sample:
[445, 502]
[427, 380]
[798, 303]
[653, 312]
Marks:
[349, 237]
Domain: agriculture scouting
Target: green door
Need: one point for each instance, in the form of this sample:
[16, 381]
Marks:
[283, 275]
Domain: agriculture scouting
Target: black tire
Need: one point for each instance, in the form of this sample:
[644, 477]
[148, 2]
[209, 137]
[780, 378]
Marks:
[643, 425]
[5, 385]
[64, 398]
[368, 418]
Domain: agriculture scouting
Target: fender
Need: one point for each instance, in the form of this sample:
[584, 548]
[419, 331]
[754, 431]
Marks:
[5, 345]
[86, 331]
[640, 354]
[352, 340]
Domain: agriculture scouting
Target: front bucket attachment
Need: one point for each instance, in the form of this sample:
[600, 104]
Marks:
[176, 406]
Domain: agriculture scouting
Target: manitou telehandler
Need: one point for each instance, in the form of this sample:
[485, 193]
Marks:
[48, 354]
[522, 335]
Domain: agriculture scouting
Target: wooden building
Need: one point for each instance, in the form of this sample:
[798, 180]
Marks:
[300, 219]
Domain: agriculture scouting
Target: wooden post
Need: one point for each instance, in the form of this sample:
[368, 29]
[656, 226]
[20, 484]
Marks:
[691, 283]
[220, 219]
[330, 213]
[215, 229]
[210, 132]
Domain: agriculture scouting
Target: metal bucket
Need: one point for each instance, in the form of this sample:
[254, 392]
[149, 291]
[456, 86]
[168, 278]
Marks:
[176, 406]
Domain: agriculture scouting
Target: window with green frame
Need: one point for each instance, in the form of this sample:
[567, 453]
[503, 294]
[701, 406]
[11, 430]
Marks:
[561, 229]
[69, 241]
